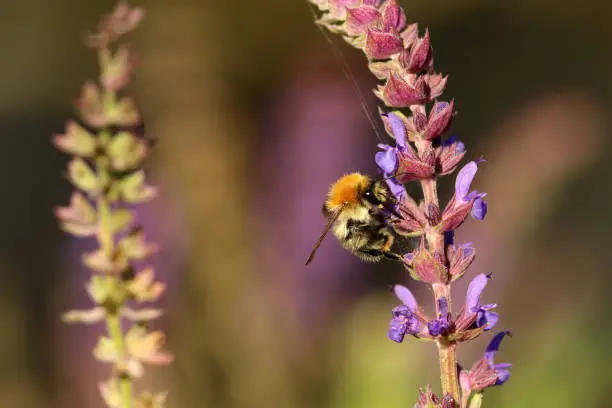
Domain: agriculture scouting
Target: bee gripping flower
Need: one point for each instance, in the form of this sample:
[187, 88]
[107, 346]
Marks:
[485, 373]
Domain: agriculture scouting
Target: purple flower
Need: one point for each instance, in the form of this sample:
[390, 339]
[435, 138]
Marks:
[501, 369]
[387, 160]
[459, 145]
[485, 373]
[485, 318]
[440, 325]
[463, 195]
[404, 319]
[479, 209]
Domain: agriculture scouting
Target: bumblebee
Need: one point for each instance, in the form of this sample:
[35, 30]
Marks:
[358, 210]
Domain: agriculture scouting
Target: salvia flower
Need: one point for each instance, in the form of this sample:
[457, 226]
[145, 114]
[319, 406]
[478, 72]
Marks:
[485, 373]
[449, 154]
[464, 200]
[405, 320]
[403, 61]
[387, 160]
[442, 324]
[484, 316]
[461, 257]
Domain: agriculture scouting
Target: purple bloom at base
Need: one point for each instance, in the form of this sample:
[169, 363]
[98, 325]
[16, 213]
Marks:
[404, 319]
[485, 373]
[463, 195]
[485, 317]
[440, 325]
[503, 374]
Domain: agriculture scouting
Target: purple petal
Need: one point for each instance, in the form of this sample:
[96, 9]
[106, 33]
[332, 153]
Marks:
[387, 159]
[443, 307]
[401, 310]
[407, 298]
[450, 140]
[397, 330]
[486, 319]
[449, 238]
[464, 180]
[468, 249]
[398, 128]
[493, 346]
[460, 148]
[502, 376]
[397, 189]
[477, 285]
[479, 209]
[435, 327]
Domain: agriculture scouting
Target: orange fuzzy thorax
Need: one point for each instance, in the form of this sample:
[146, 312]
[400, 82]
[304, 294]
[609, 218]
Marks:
[347, 191]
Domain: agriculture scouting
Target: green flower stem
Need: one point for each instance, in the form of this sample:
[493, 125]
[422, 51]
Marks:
[113, 323]
[106, 240]
[447, 352]
[476, 400]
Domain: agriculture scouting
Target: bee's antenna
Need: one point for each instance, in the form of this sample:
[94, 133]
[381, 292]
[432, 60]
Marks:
[330, 222]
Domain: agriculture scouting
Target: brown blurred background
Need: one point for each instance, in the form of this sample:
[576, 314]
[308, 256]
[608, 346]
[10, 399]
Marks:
[255, 118]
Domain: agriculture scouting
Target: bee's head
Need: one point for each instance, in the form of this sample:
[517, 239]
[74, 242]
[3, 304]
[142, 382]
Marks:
[349, 190]
[377, 193]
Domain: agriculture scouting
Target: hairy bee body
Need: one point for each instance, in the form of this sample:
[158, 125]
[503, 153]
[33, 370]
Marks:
[358, 209]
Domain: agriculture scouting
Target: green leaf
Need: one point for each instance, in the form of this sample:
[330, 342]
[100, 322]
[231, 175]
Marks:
[79, 211]
[123, 112]
[82, 176]
[133, 188]
[99, 261]
[90, 105]
[121, 219]
[98, 289]
[126, 151]
[111, 393]
[88, 316]
[106, 351]
[76, 140]
[134, 246]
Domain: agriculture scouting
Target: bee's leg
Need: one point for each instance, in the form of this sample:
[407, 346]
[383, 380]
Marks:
[387, 254]
[393, 256]
[386, 250]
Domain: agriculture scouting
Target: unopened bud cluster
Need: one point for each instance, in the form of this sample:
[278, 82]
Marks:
[107, 173]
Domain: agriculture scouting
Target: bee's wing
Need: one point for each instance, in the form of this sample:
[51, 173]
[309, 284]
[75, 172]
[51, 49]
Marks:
[333, 217]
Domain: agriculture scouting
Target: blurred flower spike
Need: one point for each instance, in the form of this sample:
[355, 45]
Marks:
[401, 57]
[107, 173]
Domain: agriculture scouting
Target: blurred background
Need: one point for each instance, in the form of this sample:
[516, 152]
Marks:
[255, 117]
